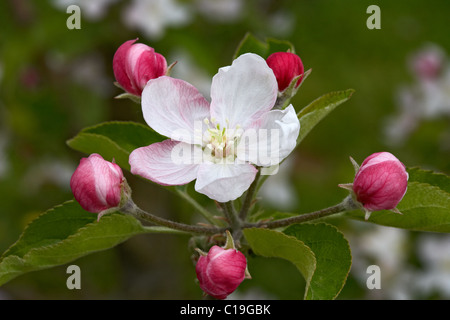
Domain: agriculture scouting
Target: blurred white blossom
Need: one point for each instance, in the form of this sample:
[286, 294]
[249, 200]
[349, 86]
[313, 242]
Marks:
[428, 98]
[48, 171]
[434, 252]
[220, 10]
[152, 17]
[91, 9]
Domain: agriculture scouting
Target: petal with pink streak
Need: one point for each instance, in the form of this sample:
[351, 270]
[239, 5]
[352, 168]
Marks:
[149, 65]
[175, 109]
[120, 67]
[167, 163]
[243, 92]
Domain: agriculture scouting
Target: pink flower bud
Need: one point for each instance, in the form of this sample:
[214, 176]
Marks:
[97, 184]
[380, 182]
[221, 271]
[135, 64]
[286, 66]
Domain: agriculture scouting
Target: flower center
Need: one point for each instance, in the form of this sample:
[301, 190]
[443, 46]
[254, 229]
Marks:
[220, 142]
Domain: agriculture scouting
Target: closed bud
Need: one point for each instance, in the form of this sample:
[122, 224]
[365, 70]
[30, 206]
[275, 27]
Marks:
[97, 184]
[380, 183]
[286, 66]
[134, 64]
[221, 270]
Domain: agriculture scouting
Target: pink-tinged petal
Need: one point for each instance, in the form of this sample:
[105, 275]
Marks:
[271, 139]
[224, 182]
[378, 158]
[120, 62]
[175, 109]
[167, 163]
[139, 55]
[146, 64]
[243, 92]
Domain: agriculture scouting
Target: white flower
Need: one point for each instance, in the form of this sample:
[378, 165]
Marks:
[93, 10]
[220, 10]
[218, 143]
[152, 17]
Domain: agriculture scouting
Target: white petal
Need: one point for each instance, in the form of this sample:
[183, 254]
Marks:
[167, 163]
[271, 139]
[175, 109]
[224, 182]
[243, 92]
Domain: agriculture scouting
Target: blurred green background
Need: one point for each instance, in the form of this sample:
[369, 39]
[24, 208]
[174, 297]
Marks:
[55, 81]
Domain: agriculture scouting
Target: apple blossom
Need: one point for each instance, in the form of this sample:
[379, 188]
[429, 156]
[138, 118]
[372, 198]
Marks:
[221, 141]
[97, 184]
[136, 63]
[380, 183]
[286, 66]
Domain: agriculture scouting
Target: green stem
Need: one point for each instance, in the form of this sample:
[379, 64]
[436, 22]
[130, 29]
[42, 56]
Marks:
[234, 220]
[131, 208]
[205, 213]
[346, 205]
[249, 197]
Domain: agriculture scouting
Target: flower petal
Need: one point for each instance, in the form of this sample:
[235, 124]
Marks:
[271, 139]
[167, 163]
[242, 92]
[151, 65]
[120, 63]
[175, 109]
[224, 182]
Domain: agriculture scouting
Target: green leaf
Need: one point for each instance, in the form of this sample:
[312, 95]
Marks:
[432, 178]
[275, 244]
[313, 113]
[425, 206]
[251, 44]
[333, 257]
[65, 233]
[262, 48]
[275, 45]
[114, 140]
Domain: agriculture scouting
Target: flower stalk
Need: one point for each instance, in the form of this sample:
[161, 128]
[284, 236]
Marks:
[132, 209]
[346, 205]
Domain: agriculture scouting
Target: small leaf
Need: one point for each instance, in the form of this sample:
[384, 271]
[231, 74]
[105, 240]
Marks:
[262, 48]
[275, 244]
[132, 97]
[313, 113]
[114, 140]
[251, 44]
[333, 257]
[275, 45]
[424, 207]
[63, 234]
